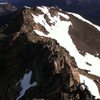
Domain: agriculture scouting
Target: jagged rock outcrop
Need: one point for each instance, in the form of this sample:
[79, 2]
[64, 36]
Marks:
[36, 60]
[51, 65]
[23, 21]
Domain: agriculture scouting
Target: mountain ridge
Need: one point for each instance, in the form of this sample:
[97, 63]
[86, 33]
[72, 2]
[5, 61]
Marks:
[89, 9]
[51, 33]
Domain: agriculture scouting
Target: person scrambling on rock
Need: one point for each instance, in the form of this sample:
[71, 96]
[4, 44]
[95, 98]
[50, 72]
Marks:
[82, 92]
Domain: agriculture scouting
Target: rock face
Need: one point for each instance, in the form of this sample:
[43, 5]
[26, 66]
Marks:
[39, 55]
[50, 65]
[27, 59]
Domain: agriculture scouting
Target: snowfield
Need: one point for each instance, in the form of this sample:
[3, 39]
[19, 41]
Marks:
[60, 32]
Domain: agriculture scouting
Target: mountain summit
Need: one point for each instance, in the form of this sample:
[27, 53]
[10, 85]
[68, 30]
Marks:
[89, 9]
[46, 53]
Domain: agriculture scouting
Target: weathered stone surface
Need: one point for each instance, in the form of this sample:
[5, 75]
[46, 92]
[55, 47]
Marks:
[51, 65]
[36, 67]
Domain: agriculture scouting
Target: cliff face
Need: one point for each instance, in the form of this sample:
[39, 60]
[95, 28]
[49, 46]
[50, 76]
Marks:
[30, 59]
[43, 55]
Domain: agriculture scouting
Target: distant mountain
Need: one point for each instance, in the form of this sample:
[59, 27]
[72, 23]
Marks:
[6, 8]
[46, 53]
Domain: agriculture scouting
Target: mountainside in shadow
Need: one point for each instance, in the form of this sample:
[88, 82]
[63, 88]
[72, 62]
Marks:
[46, 53]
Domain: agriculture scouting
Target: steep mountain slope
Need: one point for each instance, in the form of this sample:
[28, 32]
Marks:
[90, 9]
[49, 48]
[34, 67]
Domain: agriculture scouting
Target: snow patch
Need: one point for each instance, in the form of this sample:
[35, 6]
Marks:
[55, 21]
[44, 9]
[64, 39]
[25, 84]
[60, 32]
[27, 7]
[64, 15]
[91, 85]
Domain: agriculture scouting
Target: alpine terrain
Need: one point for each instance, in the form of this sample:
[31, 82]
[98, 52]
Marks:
[49, 54]
[89, 9]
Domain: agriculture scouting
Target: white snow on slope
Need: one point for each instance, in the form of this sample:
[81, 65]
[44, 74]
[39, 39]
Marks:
[44, 9]
[25, 84]
[27, 7]
[83, 19]
[59, 31]
[53, 20]
[91, 85]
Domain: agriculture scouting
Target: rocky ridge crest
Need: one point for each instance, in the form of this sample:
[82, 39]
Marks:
[24, 53]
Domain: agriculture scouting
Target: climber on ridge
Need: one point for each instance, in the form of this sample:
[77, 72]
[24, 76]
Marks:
[82, 92]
